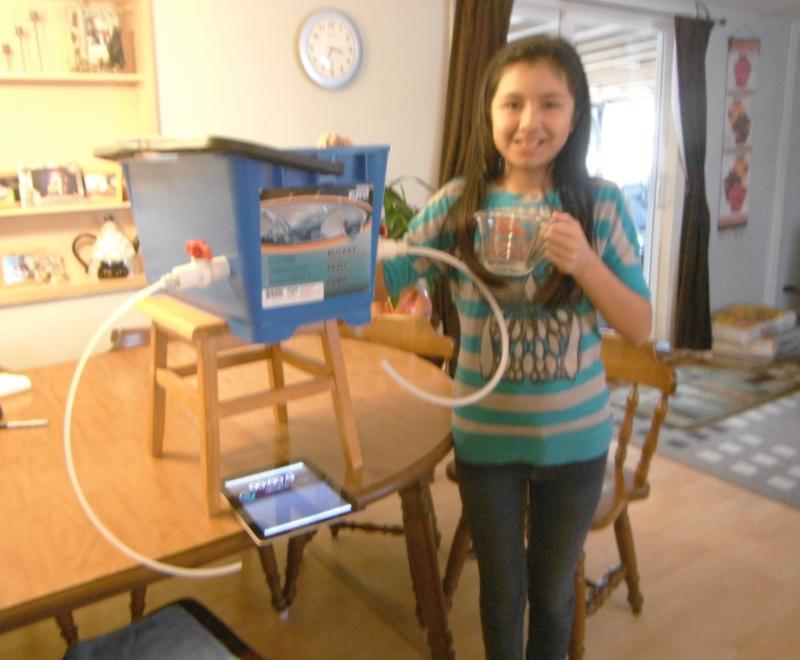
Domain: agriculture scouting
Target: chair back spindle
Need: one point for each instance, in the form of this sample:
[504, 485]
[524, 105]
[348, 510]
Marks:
[651, 441]
[626, 427]
[629, 365]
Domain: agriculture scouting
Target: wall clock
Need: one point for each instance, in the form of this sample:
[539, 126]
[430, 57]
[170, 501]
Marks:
[330, 49]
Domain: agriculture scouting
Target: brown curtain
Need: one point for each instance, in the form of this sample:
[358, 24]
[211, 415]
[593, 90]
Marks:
[480, 28]
[693, 317]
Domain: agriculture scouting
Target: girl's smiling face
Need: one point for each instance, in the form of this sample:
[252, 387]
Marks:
[532, 116]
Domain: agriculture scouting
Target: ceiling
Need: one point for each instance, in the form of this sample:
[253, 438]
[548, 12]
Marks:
[620, 60]
[717, 8]
[789, 8]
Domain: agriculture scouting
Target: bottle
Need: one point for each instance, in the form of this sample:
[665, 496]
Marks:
[416, 300]
[424, 306]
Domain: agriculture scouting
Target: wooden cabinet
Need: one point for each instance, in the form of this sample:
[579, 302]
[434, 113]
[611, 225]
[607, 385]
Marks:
[53, 115]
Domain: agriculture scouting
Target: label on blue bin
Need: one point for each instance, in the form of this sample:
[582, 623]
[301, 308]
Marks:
[292, 294]
[315, 243]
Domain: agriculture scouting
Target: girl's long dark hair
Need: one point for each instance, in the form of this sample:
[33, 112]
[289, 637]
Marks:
[484, 163]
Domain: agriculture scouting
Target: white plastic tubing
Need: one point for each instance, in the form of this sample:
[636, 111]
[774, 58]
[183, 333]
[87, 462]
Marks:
[102, 332]
[388, 249]
[201, 273]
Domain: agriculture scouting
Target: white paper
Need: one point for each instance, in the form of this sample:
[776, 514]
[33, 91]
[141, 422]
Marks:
[13, 383]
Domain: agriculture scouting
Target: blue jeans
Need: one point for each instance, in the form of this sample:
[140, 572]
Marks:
[563, 500]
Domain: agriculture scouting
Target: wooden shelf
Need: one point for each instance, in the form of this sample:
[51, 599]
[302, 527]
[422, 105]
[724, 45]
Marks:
[65, 209]
[13, 78]
[24, 294]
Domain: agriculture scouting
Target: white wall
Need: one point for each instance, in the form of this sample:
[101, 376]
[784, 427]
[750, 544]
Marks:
[56, 331]
[738, 258]
[233, 69]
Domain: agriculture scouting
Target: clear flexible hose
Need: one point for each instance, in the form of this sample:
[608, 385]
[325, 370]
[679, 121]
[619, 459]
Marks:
[161, 567]
[477, 395]
[104, 329]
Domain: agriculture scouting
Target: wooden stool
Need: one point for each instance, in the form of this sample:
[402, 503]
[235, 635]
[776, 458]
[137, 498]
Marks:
[216, 348]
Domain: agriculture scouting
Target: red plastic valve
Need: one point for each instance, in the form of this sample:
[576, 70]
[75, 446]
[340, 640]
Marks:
[197, 248]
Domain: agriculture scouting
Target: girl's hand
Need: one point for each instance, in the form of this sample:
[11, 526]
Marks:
[565, 244]
[622, 308]
[327, 140]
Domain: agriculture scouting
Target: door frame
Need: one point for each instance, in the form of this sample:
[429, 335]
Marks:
[666, 178]
[777, 269]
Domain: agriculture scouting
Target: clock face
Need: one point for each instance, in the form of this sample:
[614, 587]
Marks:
[330, 49]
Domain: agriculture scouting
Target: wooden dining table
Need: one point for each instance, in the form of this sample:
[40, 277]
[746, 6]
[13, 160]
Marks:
[56, 561]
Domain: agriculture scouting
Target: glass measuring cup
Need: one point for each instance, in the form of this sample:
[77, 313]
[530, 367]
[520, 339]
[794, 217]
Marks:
[511, 239]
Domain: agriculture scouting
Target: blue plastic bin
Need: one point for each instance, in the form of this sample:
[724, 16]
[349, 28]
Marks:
[214, 189]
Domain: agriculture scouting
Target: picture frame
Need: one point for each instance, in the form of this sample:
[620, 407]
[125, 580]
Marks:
[36, 267]
[9, 190]
[95, 37]
[50, 184]
[103, 184]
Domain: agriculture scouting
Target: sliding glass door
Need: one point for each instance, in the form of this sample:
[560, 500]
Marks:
[622, 57]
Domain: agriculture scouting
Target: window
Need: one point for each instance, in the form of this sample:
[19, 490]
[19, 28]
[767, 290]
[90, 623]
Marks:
[622, 62]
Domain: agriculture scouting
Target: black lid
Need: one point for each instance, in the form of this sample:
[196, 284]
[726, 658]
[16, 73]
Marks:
[132, 147]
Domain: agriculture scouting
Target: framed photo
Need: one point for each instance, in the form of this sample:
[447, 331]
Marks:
[48, 184]
[103, 185]
[9, 190]
[40, 267]
[95, 37]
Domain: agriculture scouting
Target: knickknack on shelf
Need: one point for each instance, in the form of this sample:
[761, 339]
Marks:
[41, 38]
[96, 38]
[50, 183]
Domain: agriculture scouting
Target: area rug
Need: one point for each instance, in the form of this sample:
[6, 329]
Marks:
[757, 448]
[709, 393]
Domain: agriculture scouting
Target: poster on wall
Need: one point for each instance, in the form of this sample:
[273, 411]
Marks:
[737, 139]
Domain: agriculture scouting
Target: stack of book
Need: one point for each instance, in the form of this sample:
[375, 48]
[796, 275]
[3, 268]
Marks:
[757, 333]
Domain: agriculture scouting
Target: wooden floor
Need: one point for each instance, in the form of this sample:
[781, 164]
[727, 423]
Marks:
[720, 571]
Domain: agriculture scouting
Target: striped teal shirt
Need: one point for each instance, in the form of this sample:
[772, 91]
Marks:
[551, 407]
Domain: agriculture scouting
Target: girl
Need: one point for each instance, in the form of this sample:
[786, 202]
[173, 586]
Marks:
[536, 447]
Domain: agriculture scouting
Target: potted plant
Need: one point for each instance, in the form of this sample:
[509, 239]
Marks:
[397, 214]
[396, 209]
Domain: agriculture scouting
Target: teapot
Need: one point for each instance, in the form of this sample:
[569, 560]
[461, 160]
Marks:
[113, 254]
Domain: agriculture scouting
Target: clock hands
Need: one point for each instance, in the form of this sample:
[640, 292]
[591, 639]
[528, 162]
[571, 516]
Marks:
[326, 60]
[330, 49]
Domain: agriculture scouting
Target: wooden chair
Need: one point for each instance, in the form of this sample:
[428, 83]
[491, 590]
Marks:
[631, 366]
[406, 332]
[183, 628]
[217, 348]
[414, 334]
[625, 365]
[409, 333]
